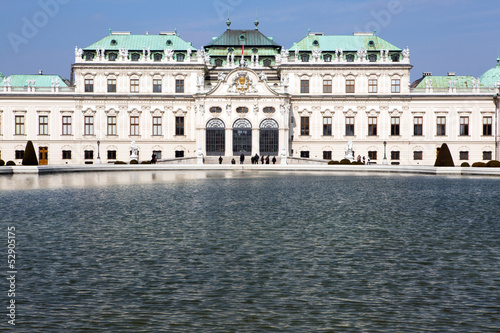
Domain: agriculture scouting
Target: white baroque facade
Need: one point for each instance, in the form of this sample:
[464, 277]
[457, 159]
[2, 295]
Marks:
[245, 94]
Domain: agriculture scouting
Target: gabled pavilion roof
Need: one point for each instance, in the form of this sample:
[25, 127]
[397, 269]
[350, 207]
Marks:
[116, 41]
[347, 43]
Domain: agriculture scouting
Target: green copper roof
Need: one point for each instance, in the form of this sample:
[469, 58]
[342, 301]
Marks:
[492, 76]
[40, 80]
[236, 38]
[442, 81]
[138, 42]
[346, 43]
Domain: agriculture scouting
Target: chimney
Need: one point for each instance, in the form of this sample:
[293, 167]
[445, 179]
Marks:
[427, 74]
[451, 73]
[40, 72]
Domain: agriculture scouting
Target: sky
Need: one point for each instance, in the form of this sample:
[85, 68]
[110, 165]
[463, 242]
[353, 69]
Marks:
[461, 36]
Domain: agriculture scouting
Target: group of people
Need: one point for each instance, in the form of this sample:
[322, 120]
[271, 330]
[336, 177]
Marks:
[254, 159]
[365, 161]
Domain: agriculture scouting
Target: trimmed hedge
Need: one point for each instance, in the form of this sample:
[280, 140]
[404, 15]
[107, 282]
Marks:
[465, 165]
[120, 162]
[134, 162]
[357, 163]
[478, 165]
[2, 162]
[333, 162]
[30, 155]
[444, 158]
[146, 162]
[10, 163]
[345, 161]
[493, 164]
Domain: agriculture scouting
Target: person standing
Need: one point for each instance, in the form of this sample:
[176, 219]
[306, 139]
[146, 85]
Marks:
[262, 159]
[274, 159]
[242, 158]
[220, 159]
[153, 159]
[267, 159]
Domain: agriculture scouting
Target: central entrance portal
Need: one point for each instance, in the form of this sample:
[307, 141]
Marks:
[242, 137]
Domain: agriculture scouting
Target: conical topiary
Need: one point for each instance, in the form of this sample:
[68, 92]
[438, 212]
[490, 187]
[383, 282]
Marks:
[444, 158]
[30, 155]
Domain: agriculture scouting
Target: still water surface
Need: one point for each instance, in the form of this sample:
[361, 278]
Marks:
[254, 252]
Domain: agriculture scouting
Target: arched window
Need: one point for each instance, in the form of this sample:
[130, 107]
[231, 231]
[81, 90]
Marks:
[112, 56]
[304, 57]
[180, 57]
[242, 137]
[218, 62]
[395, 57]
[241, 109]
[157, 57]
[267, 62]
[215, 138]
[350, 58]
[269, 137]
[89, 56]
[215, 109]
[135, 57]
[372, 57]
[327, 57]
[269, 109]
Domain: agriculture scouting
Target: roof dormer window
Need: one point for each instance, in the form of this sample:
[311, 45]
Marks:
[304, 57]
[114, 42]
[112, 56]
[157, 57]
[327, 58]
[315, 43]
[395, 57]
[135, 57]
[372, 57]
[242, 37]
[180, 57]
[371, 43]
[169, 42]
[349, 57]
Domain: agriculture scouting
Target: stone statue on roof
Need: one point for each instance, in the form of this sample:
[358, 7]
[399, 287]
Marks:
[316, 53]
[78, 52]
[263, 76]
[361, 54]
[406, 53]
[169, 54]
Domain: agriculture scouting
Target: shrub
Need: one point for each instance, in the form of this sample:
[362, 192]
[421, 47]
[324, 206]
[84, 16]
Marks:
[30, 155]
[493, 164]
[10, 163]
[357, 163]
[2, 162]
[120, 162]
[345, 161]
[478, 165]
[134, 162]
[146, 162]
[465, 165]
[444, 158]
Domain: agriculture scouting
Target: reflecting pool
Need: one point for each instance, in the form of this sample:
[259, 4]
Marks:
[253, 252]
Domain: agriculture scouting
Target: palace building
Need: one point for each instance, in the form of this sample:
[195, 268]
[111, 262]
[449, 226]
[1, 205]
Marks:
[244, 93]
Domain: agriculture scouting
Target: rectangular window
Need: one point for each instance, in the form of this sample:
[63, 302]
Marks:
[134, 125]
[66, 154]
[487, 155]
[372, 85]
[19, 125]
[487, 128]
[349, 86]
[179, 125]
[88, 154]
[304, 86]
[157, 86]
[43, 125]
[111, 154]
[395, 155]
[418, 125]
[464, 126]
[156, 126]
[179, 86]
[157, 154]
[89, 125]
[304, 154]
[111, 85]
[66, 125]
[464, 155]
[111, 125]
[372, 125]
[349, 126]
[395, 85]
[395, 125]
[89, 85]
[327, 126]
[441, 126]
[304, 125]
[418, 155]
[327, 155]
[134, 85]
[372, 155]
[19, 154]
[327, 86]
[179, 153]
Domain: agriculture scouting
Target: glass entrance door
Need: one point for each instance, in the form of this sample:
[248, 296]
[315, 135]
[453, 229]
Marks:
[242, 138]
